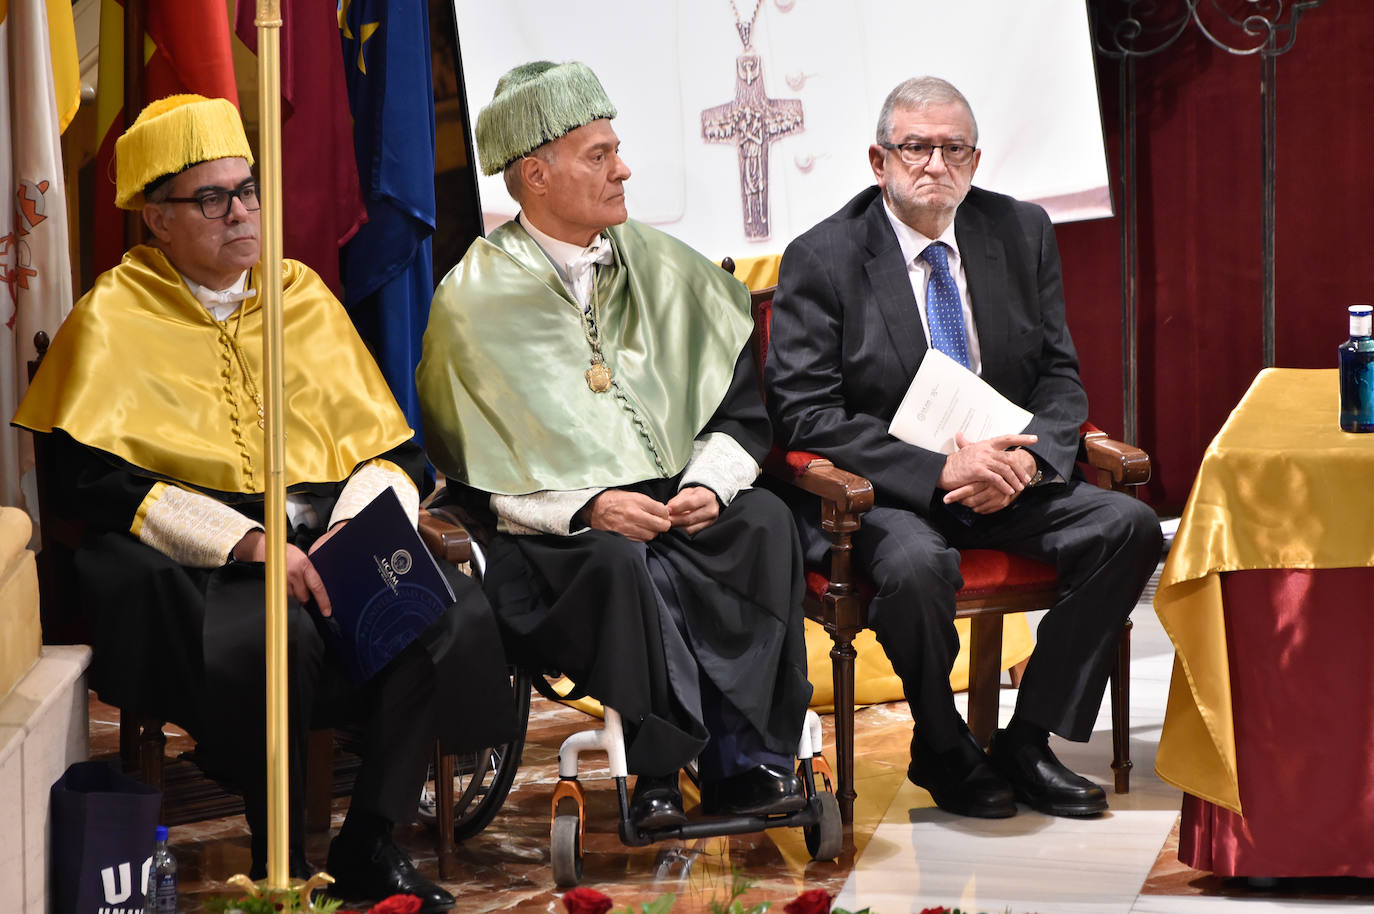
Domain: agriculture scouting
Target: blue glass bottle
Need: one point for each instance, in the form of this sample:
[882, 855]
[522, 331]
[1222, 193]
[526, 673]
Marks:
[1357, 373]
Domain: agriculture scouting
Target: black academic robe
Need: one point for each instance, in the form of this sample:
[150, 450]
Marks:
[186, 644]
[614, 615]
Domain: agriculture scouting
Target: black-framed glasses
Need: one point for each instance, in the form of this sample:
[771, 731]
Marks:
[215, 204]
[955, 154]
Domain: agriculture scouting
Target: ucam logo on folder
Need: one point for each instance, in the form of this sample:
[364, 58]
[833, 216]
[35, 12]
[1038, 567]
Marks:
[384, 586]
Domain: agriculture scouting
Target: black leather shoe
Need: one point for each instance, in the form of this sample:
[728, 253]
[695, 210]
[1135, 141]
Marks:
[961, 781]
[657, 802]
[1041, 781]
[763, 790]
[380, 869]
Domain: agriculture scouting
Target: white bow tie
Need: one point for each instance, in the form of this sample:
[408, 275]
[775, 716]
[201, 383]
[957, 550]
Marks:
[209, 297]
[580, 272]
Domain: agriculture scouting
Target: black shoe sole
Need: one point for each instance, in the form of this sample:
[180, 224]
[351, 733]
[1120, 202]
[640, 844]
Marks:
[961, 807]
[776, 808]
[986, 811]
[662, 820]
[1066, 810]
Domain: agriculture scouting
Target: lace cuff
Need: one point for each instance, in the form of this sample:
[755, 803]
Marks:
[719, 463]
[367, 483]
[548, 511]
[189, 528]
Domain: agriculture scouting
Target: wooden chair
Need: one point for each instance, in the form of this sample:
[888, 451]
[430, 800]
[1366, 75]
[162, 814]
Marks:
[995, 583]
[189, 796]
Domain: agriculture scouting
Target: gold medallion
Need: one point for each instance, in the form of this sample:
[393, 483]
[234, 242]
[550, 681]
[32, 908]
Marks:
[599, 377]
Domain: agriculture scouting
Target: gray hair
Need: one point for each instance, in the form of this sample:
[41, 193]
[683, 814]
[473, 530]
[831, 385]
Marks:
[515, 182]
[919, 92]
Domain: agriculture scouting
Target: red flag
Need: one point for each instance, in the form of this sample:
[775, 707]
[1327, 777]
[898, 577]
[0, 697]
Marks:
[187, 49]
[323, 202]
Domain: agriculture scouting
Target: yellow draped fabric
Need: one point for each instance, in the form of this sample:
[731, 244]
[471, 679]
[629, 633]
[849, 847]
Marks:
[1281, 486]
[874, 679]
[758, 272]
[141, 370]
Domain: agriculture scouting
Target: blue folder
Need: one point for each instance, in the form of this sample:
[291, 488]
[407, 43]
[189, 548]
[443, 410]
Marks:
[384, 587]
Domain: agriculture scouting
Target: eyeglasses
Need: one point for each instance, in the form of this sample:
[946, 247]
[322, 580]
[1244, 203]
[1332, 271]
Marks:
[955, 154]
[216, 204]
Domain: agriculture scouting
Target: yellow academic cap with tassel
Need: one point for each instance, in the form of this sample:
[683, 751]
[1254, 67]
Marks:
[171, 135]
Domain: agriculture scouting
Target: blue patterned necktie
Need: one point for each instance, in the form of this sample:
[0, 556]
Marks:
[944, 310]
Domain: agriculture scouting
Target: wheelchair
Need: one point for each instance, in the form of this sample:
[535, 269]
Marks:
[483, 779]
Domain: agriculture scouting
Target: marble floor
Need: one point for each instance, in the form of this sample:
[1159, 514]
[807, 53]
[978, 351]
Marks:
[902, 855]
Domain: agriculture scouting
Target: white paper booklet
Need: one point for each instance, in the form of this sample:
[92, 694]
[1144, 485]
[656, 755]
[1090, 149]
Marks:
[944, 398]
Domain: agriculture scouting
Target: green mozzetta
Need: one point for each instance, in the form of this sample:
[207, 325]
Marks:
[506, 404]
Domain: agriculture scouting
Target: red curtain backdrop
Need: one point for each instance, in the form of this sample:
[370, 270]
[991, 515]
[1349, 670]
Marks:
[323, 205]
[1199, 166]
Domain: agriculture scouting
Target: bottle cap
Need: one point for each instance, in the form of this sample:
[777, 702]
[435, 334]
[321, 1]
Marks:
[1360, 320]
[162, 833]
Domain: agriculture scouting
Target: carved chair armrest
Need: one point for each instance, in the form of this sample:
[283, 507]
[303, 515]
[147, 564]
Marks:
[446, 538]
[843, 494]
[844, 498]
[1118, 464]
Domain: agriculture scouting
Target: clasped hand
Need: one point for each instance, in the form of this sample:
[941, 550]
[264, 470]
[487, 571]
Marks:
[986, 476]
[302, 580]
[640, 518]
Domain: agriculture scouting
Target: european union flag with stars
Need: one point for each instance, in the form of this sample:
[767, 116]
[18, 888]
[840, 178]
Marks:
[386, 268]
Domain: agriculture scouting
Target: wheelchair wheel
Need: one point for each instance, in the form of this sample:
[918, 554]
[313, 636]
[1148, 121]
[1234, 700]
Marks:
[565, 850]
[825, 839]
[482, 778]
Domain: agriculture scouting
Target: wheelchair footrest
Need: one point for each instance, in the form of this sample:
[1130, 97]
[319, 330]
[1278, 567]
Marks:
[717, 826]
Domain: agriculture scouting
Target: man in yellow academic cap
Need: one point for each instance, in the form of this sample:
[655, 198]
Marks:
[152, 393]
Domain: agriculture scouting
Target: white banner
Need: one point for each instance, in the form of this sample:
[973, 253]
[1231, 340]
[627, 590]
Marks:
[1026, 68]
[36, 292]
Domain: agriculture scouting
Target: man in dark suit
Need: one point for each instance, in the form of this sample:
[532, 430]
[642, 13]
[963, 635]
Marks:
[923, 259]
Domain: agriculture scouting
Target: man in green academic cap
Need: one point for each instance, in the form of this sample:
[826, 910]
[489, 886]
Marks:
[589, 380]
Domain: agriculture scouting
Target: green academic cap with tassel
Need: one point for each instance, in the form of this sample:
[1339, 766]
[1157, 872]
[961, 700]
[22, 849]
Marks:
[534, 104]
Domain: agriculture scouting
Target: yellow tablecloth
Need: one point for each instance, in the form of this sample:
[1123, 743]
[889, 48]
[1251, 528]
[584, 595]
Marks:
[1281, 486]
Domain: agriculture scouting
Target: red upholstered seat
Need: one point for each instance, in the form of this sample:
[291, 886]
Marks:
[985, 571]
[988, 570]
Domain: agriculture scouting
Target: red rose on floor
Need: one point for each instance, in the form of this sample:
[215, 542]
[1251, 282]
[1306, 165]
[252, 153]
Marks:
[935, 911]
[396, 904]
[813, 901]
[586, 901]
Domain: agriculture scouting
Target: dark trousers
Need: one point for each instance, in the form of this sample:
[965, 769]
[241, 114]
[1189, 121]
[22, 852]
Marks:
[697, 641]
[1104, 546]
[186, 645]
[394, 712]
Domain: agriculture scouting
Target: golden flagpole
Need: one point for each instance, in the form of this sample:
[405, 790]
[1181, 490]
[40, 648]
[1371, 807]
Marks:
[268, 23]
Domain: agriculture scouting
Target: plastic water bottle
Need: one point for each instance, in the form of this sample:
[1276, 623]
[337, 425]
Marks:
[162, 890]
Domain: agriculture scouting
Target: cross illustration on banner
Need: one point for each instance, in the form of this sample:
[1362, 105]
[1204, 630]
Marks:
[752, 121]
